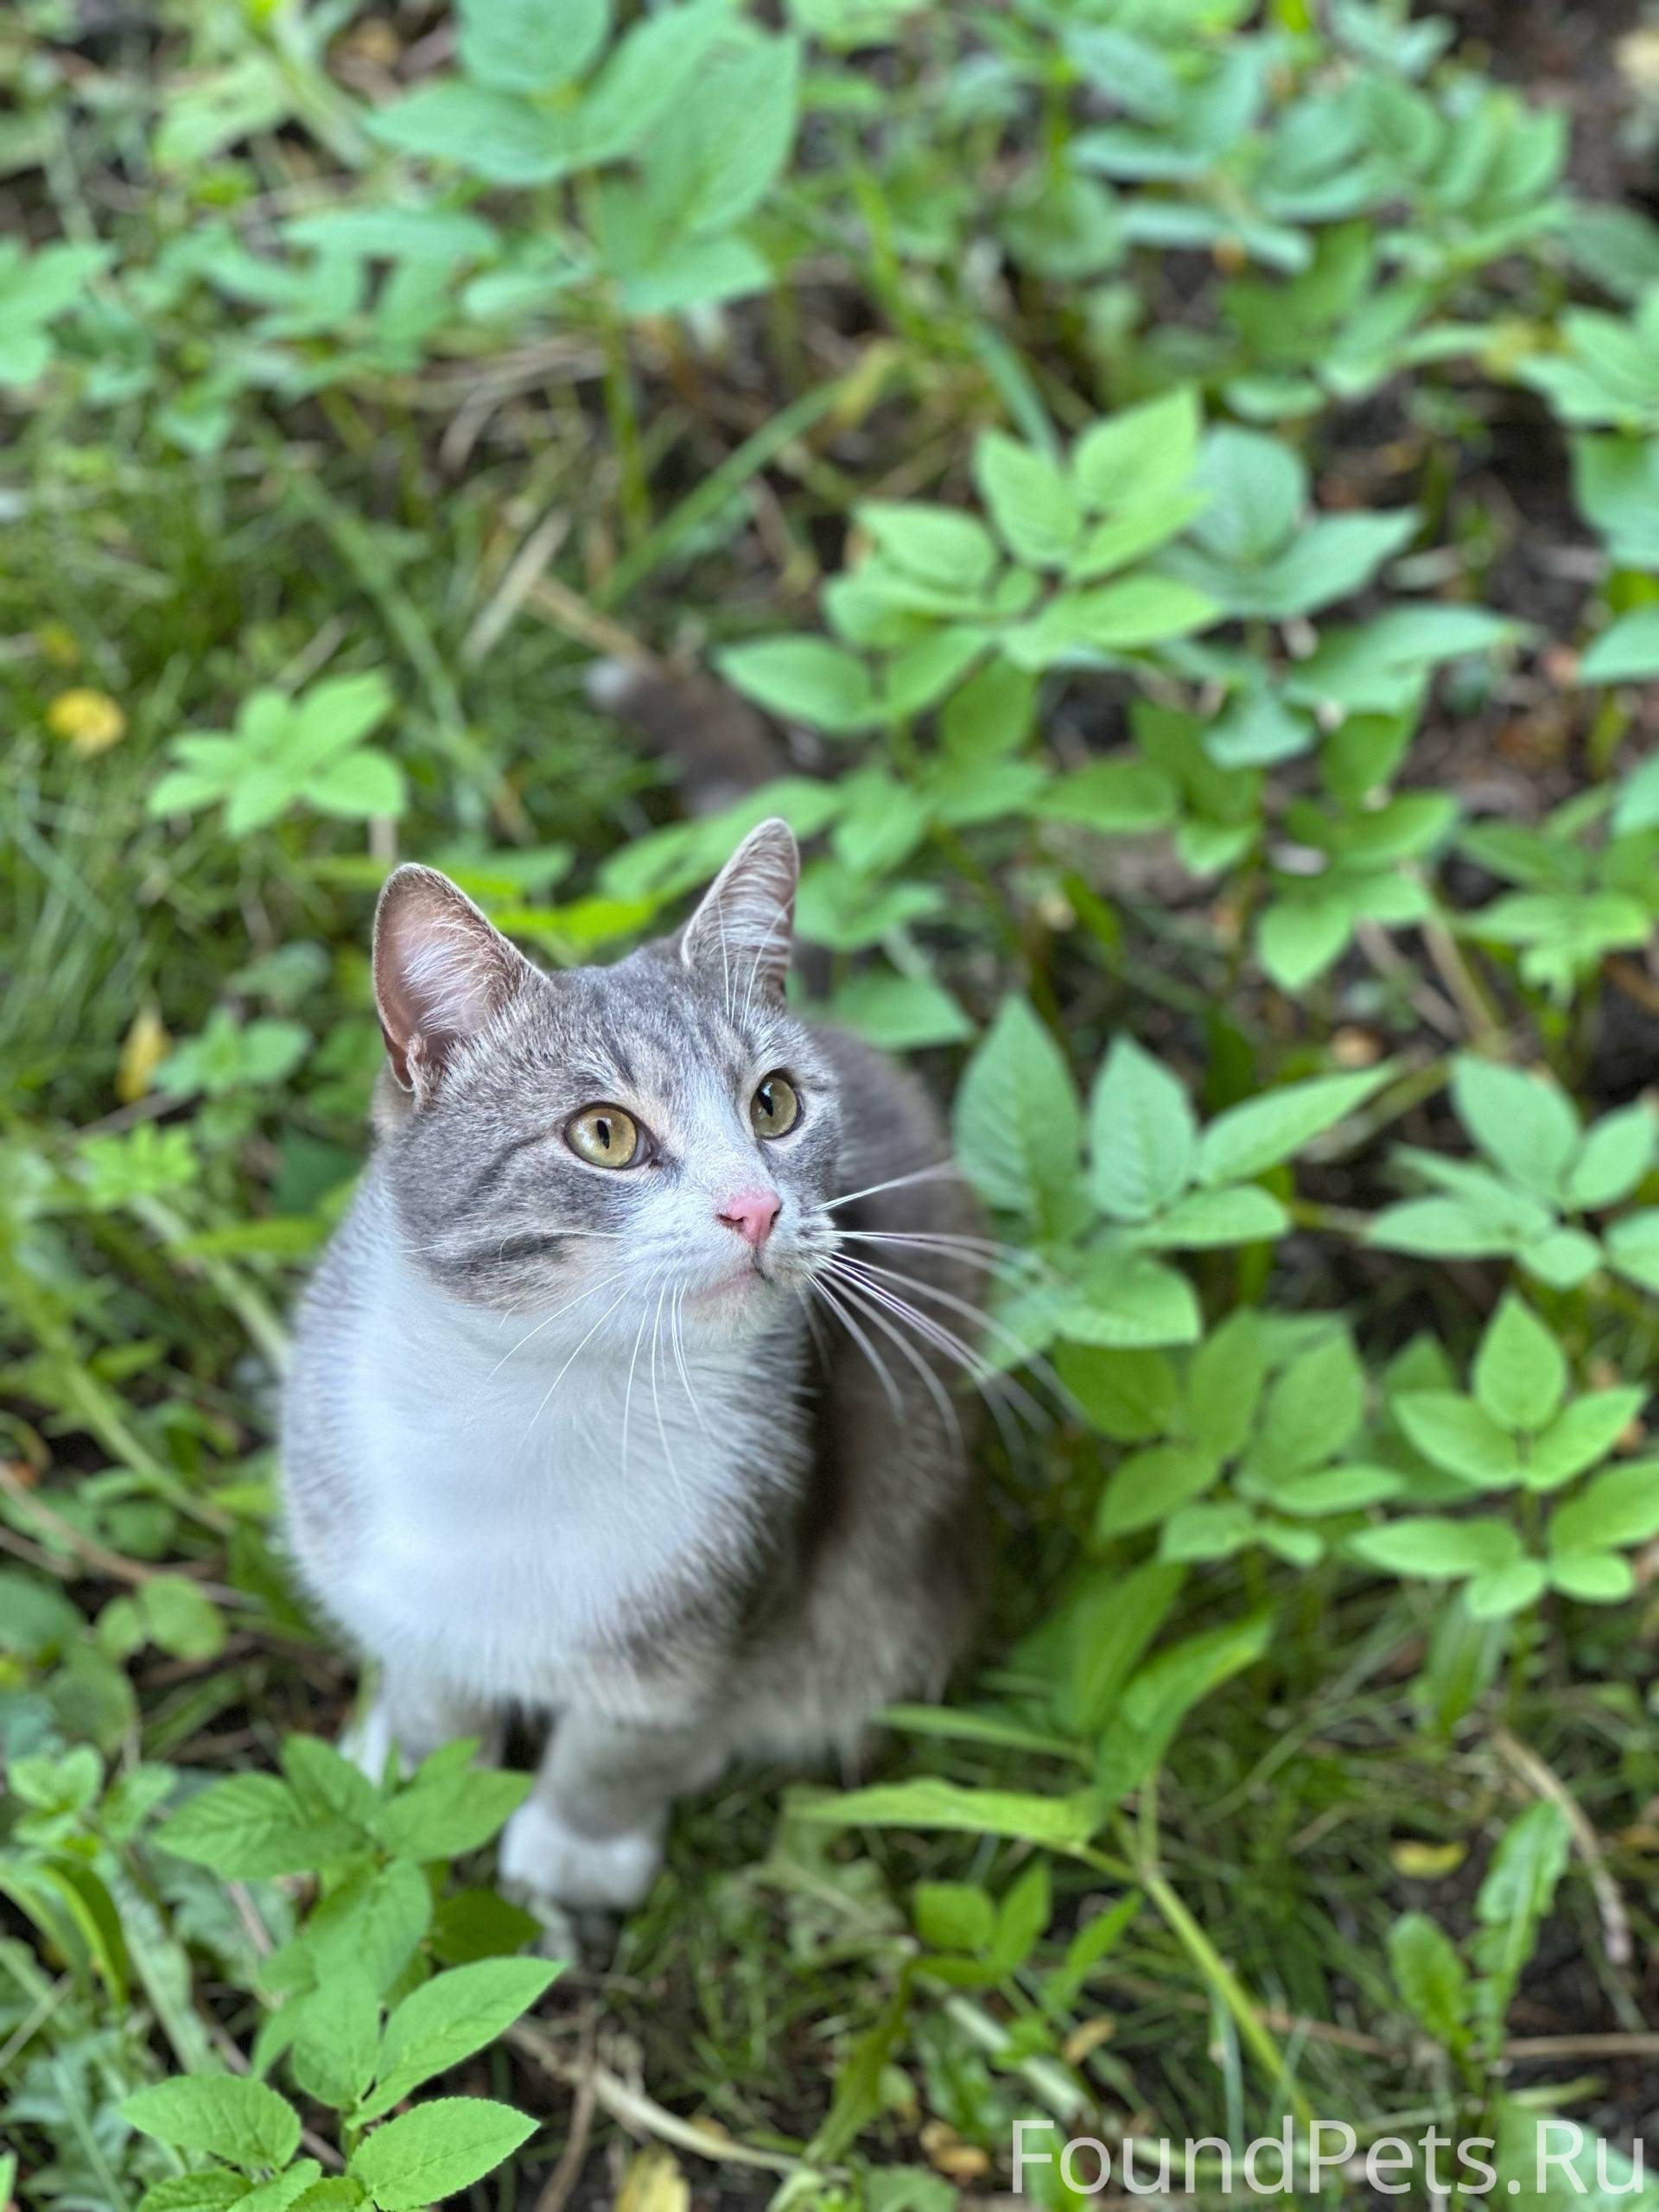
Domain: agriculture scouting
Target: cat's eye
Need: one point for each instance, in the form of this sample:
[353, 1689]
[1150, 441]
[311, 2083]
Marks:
[605, 1137]
[775, 1109]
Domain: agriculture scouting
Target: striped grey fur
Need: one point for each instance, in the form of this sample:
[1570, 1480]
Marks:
[555, 1438]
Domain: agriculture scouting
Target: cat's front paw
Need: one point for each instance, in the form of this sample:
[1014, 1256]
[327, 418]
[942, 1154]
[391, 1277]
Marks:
[549, 1863]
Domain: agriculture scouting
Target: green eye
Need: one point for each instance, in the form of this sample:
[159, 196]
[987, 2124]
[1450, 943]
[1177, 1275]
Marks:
[774, 1109]
[604, 1136]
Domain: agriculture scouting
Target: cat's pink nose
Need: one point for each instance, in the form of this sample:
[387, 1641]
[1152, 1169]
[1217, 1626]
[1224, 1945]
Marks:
[751, 1214]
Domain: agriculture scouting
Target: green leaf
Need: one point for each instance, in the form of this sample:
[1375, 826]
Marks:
[1633, 1248]
[1241, 1214]
[531, 46]
[283, 2191]
[1312, 1410]
[1498, 1592]
[440, 1815]
[954, 1916]
[1301, 935]
[1582, 1433]
[327, 1783]
[1121, 798]
[1150, 1484]
[1526, 1123]
[215, 2190]
[1165, 1690]
[1621, 1506]
[900, 1014]
[1128, 1299]
[1515, 1897]
[1124, 617]
[939, 545]
[1520, 1373]
[1060, 1823]
[448, 2018]
[336, 2040]
[1218, 1529]
[1257, 488]
[1431, 1977]
[1110, 1629]
[802, 679]
[363, 784]
[250, 1825]
[437, 2151]
[1128, 1395]
[1326, 1489]
[1031, 501]
[1442, 1228]
[1594, 1577]
[181, 1618]
[1144, 452]
[1626, 652]
[1438, 1550]
[1458, 1433]
[649, 70]
[1612, 1159]
[1141, 1133]
[1262, 1132]
[1018, 1126]
[500, 137]
[718, 152]
[243, 2121]
[1224, 1379]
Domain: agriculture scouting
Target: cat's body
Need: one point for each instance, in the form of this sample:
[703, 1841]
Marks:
[591, 1442]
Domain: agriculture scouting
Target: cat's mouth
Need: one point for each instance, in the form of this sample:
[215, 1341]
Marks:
[741, 1283]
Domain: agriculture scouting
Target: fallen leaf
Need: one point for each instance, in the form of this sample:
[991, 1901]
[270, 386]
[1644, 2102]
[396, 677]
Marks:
[949, 2155]
[1427, 1862]
[653, 2183]
[147, 1044]
[1087, 2038]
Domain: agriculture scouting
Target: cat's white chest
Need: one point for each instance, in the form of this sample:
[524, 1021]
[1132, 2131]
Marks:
[524, 1507]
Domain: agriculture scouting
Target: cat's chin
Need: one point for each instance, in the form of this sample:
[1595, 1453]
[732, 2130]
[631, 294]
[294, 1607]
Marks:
[735, 1306]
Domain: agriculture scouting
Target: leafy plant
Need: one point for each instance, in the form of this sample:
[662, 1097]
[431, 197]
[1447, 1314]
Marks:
[286, 753]
[1541, 1176]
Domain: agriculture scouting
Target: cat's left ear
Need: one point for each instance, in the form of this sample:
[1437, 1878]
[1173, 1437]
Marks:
[739, 935]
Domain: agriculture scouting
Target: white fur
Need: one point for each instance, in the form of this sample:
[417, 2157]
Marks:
[542, 1857]
[520, 1496]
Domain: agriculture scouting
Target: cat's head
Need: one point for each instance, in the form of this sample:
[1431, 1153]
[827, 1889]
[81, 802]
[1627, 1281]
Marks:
[604, 1143]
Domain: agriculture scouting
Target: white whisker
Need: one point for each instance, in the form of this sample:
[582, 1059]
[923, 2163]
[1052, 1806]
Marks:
[565, 1370]
[883, 1373]
[975, 1248]
[941, 1396]
[580, 1299]
[676, 1337]
[944, 1340]
[962, 1306]
[930, 1173]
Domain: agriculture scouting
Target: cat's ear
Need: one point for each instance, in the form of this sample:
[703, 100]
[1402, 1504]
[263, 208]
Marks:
[441, 972]
[739, 935]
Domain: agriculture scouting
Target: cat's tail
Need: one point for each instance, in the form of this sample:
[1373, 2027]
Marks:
[720, 746]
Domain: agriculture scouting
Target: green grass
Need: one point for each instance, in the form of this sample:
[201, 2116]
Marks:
[1141, 817]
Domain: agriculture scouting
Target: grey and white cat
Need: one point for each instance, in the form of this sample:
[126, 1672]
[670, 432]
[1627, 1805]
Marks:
[622, 1393]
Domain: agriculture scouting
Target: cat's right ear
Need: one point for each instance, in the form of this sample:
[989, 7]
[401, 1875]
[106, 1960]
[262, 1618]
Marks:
[442, 971]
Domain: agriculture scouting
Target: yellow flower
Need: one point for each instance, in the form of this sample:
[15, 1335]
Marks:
[90, 721]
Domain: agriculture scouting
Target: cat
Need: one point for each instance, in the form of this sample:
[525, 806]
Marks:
[623, 1393]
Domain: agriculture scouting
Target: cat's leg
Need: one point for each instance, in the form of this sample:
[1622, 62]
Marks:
[412, 1715]
[590, 1834]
